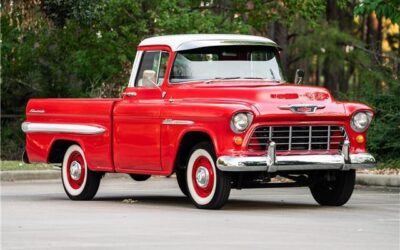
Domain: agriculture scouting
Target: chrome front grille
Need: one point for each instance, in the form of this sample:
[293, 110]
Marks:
[289, 138]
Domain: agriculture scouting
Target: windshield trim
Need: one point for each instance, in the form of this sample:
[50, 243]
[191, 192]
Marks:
[221, 43]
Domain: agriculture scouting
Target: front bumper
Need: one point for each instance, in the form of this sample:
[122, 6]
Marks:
[272, 163]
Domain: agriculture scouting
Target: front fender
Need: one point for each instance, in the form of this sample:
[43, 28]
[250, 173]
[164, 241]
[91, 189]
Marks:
[212, 119]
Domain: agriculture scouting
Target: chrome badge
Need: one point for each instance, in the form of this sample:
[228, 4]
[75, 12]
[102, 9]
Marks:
[37, 111]
[302, 108]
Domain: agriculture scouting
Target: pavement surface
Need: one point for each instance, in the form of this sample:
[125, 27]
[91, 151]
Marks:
[155, 215]
[23, 175]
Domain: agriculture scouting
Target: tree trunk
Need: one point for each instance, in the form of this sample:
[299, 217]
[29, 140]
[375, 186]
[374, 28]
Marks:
[331, 67]
[336, 77]
[374, 41]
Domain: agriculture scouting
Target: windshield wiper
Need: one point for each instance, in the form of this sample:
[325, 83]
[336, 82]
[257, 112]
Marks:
[261, 78]
[222, 78]
[227, 78]
[239, 77]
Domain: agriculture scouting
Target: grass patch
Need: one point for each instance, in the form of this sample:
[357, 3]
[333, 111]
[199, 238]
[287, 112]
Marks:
[18, 165]
[390, 164]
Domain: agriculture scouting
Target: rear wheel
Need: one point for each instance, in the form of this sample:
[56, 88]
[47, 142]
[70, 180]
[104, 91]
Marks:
[80, 183]
[208, 187]
[333, 188]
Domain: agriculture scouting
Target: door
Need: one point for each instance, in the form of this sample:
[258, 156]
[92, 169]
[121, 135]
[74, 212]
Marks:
[137, 121]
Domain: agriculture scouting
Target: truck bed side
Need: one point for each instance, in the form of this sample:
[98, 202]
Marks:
[87, 122]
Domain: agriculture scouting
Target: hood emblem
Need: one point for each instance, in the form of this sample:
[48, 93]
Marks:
[302, 108]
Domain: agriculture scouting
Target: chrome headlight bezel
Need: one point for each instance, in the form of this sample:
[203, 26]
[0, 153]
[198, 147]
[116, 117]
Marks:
[241, 121]
[361, 120]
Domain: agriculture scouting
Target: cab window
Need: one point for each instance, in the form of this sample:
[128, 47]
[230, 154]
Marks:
[152, 69]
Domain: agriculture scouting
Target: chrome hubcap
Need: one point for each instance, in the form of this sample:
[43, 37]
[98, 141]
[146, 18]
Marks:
[202, 177]
[75, 170]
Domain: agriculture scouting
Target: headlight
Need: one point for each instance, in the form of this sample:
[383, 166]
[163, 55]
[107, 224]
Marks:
[241, 121]
[360, 121]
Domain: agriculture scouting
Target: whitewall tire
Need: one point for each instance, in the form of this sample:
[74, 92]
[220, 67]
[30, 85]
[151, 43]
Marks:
[80, 183]
[207, 186]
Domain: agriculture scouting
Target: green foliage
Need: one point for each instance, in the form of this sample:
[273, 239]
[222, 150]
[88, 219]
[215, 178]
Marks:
[12, 140]
[90, 50]
[84, 11]
[384, 133]
[383, 8]
[265, 12]
[177, 16]
[391, 164]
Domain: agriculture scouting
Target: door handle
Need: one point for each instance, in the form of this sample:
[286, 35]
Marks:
[130, 94]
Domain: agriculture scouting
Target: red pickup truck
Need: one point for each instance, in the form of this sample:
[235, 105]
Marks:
[215, 110]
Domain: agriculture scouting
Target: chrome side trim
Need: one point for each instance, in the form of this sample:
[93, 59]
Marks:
[130, 94]
[177, 122]
[35, 127]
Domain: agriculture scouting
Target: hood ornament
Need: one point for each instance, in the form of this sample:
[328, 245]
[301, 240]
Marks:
[302, 108]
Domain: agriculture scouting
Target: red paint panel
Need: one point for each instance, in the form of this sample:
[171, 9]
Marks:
[137, 125]
[97, 112]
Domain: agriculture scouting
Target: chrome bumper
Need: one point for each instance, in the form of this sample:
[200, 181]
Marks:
[272, 163]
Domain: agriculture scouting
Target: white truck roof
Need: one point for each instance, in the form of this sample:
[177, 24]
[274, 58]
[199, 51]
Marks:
[192, 41]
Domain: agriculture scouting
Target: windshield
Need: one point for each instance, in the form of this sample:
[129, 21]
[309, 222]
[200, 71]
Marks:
[227, 62]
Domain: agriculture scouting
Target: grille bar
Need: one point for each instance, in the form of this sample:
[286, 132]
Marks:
[329, 137]
[289, 138]
[332, 130]
[282, 137]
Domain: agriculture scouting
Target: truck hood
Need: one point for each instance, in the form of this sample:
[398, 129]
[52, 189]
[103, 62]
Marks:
[270, 100]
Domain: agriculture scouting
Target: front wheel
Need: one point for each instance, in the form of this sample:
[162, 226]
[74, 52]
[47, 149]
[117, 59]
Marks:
[333, 188]
[181, 179]
[80, 183]
[207, 186]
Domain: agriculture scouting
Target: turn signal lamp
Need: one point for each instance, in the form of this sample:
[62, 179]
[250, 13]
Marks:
[360, 139]
[238, 140]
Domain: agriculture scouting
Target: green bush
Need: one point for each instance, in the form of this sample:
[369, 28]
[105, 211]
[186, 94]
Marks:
[12, 139]
[384, 133]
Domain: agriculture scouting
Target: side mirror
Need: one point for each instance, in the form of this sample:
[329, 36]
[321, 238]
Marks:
[299, 77]
[149, 79]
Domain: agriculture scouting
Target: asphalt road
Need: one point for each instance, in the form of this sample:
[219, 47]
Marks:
[38, 215]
